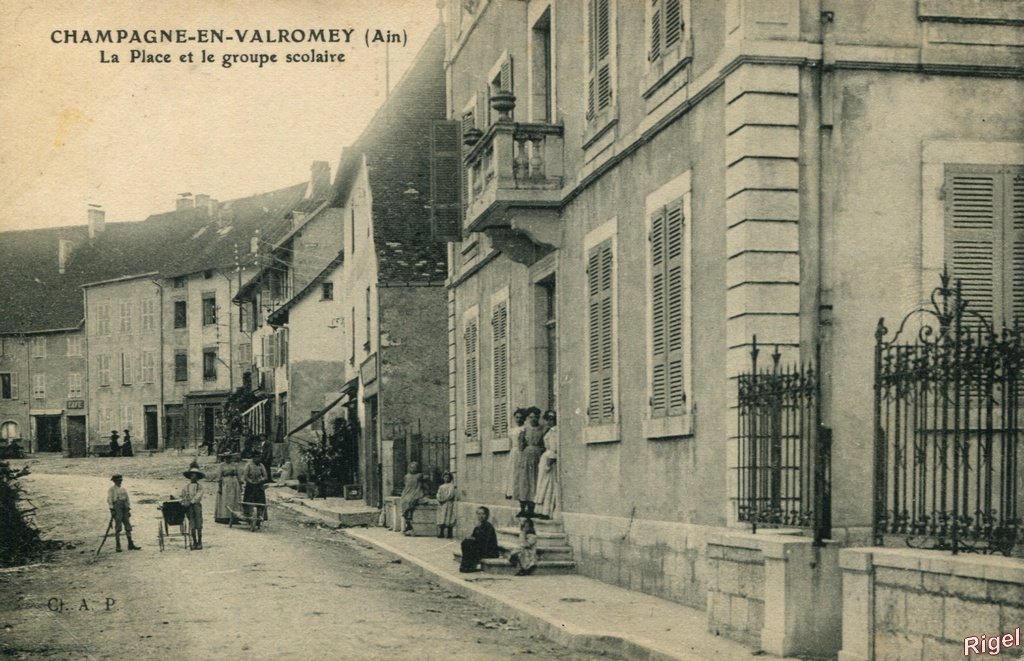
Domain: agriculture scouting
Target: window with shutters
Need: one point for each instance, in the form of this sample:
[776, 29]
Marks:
[209, 309]
[103, 369]
[446, 181]
[126, 317]
[148, 367]
[103, 319]
[126, 369]
[601, 398]
[38, 344]
[180, 314]
[39, 386]
[499, 366]
[600, 57]
[209, 364]
[8, 385]
[471, 365]
[148, 314]
[984, 245]
[74, 345]
[74, 385]
[665, 28]
[666, 238]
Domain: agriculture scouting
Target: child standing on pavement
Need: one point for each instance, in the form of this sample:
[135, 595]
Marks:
[446, 506]
[192, 499]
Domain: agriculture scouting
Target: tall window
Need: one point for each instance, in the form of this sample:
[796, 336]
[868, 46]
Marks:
[499, 365]
[148, 314]
[245, 355]
[180, 314]
[551, 341]
[126, 369]
[103, 369]
[209, 310]
[8, 385]
[471, 339]
[599, 57]
[600, 291]
[148, 370]
[209, 364]
[39, 386]
[666, 301]
[74, 385]
[74, 345]
[39, 346]
[9, 430]
[985, 239]
[327, 291]
[103, 319]
[665, 28]
[181, 366]
[126, 317]
[541, 66]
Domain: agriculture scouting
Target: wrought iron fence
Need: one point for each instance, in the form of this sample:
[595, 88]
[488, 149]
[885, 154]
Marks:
[947, 425]
[429, 451]
[784, 469]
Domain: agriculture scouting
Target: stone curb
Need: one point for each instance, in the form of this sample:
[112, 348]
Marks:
[564, 634]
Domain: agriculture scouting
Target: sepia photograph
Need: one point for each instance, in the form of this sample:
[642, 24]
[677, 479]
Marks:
[508, 329]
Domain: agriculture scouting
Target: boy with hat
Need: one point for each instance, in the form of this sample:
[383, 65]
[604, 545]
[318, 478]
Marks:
[120, 511]
[192, 499]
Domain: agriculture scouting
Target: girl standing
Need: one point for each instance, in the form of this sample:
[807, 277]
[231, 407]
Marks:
[446, 506]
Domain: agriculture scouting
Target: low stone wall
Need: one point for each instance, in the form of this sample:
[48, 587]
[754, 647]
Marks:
[735, 592]
[921, 605]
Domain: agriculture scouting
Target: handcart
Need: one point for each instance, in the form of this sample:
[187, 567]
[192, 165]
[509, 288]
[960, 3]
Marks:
[172, 513]
[242, 516]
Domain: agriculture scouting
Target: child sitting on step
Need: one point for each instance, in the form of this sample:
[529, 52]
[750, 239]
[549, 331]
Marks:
[525, 557]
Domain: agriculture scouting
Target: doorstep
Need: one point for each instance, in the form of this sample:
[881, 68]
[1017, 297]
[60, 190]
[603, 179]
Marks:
[580, 613]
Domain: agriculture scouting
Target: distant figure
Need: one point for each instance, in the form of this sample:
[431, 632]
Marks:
[446, 506]
[482, 543]
[126, 444]
[229, 490]
[411, 494]
[120, 511]
[253, 478]
[267, 456]
[115, 446]
[519, 417]
[547, 474]
[525, 557]
[531, 447]
[192, 499]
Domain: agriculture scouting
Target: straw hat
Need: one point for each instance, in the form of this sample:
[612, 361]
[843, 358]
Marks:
[194, 471]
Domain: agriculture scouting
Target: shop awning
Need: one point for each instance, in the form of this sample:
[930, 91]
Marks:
[319, 414]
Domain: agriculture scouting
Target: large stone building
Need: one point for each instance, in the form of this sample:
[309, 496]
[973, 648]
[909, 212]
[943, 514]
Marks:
[644, 199]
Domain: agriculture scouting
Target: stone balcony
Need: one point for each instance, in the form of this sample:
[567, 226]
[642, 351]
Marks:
[514, 176]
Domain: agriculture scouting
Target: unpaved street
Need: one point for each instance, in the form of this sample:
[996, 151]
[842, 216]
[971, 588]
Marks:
[294, 590]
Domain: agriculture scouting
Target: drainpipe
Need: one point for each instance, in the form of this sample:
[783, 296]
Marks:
[160, 441]
[231, 353]
[32, 429]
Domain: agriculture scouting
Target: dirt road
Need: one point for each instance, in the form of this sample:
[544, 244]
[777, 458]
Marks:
[293, 590]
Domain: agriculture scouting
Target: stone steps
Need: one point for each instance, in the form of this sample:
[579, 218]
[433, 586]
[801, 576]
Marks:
[554, 554]
[502, 566]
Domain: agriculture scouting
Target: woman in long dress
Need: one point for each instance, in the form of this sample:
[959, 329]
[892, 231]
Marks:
[229, 490]
[519, 417]
[547, 478]
[253, 477]
[531, 447]
[446, 506]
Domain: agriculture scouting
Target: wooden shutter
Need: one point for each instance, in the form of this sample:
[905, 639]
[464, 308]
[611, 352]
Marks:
[507, 82]
[472, 394]
[973, 218]
[499, 325]
[14, 385]
[446, 181]
[673, 23]
[1014, 179]
[599, 83]
[655, 51]
[601, 407]
[667, 383]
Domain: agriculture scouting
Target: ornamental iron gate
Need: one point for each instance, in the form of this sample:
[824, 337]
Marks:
[784, 462]
[947, 426]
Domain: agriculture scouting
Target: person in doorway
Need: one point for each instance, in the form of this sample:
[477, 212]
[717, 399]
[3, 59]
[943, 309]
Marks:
[446, 506]
[531, 447]
[192, 500]
[115, 445]
[519, 420]
[229, 490]
[482, 543]
[546, 497]
[126, 444]
[253, 479]
[524, 558]
[120, 511]
[412, 492]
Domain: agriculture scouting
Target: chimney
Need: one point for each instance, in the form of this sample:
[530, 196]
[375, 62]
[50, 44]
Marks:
[96, 216]
[298, 217]
[202, 201]
[319, 180]
[184, 201]
[64, 249]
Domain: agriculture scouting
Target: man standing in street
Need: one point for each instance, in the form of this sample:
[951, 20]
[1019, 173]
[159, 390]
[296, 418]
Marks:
[120, 511]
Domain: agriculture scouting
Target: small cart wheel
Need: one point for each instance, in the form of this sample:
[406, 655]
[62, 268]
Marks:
[160, 535]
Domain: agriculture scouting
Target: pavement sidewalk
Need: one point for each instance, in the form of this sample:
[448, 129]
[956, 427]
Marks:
[580, 613]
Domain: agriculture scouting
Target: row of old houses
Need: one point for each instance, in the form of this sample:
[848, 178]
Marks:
[611, 209]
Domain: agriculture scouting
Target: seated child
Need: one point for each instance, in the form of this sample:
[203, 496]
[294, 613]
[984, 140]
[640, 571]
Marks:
[525, 557]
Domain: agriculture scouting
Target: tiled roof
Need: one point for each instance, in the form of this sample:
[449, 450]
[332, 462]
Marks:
[396, 144]
[34, 296]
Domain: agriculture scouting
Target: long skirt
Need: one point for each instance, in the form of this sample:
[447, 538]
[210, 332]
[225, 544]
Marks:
[526, 473]
[254, 494]
[546, 497]
[472, 554]
[228, 497]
